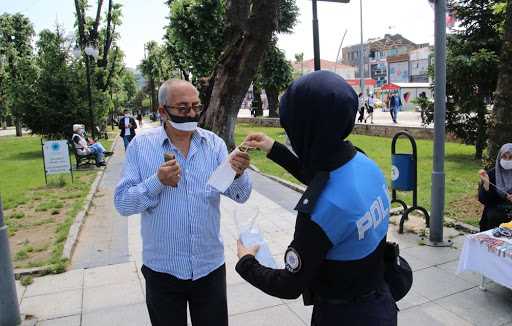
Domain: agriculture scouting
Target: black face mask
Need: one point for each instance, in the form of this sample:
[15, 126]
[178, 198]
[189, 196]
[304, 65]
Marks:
[182, 123]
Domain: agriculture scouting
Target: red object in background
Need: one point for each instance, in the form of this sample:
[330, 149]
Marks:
[407, 95]
[390, 87]
[367, 82]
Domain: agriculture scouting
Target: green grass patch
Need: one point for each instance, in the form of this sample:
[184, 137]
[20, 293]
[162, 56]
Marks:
[49, 209]
[17, 215]
[460, 167]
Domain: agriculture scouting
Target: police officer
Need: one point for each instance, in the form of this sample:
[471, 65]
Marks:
[336, 257]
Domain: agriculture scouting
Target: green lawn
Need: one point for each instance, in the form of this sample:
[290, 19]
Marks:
[38, 216]
[460, 167]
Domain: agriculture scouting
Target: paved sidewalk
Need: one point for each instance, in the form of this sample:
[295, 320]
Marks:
[114, 294]
[404, 118]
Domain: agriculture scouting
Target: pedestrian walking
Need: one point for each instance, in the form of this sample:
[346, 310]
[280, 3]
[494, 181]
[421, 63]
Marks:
[361, 108]
[395, 104]
[139, 118]
[164, 179]
[127, 126]
[370, 108]
[336, 258]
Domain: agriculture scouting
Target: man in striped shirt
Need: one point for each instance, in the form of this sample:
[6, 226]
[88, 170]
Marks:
[183, 252]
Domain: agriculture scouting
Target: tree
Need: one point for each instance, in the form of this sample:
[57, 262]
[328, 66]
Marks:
[194, 35]
[276, 75]
[58, 89]
[249, 28]
[501, 121]
[472, 69]
[299, 58]
[16, 53]
[156, 68]
[90, 34]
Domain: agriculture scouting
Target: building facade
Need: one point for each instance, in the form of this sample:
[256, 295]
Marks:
[307, 66]
[391, 59]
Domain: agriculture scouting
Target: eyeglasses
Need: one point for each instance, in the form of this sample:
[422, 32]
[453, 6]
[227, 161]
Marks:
[185, 110]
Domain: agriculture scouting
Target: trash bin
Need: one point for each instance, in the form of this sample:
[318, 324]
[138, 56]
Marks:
[403, 173]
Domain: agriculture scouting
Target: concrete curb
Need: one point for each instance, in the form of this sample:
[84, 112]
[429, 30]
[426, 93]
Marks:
[74, 230]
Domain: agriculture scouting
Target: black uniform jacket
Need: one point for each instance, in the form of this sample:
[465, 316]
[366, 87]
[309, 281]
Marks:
[327, 279]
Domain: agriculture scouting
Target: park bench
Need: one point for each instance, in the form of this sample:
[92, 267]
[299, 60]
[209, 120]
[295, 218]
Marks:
[81, 160]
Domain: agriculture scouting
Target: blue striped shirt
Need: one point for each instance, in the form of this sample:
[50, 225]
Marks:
[180, 226]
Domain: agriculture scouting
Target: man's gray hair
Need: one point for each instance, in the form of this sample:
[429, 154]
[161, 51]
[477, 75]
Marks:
[163, 91]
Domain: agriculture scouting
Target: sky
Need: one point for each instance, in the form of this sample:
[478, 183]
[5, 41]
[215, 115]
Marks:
[144, 20]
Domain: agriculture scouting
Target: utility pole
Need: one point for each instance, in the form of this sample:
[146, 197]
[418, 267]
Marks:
[316, 37]
[361, 51]
[438, 175]
[9, 308]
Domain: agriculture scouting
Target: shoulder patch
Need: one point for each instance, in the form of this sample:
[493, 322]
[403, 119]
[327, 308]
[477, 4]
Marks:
[292, 260]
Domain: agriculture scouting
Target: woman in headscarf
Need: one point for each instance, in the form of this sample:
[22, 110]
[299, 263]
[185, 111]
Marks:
[336, 257]
[495, 191]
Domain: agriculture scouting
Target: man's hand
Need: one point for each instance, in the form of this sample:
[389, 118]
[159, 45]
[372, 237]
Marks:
[169, 173]
[509, 197]
[485, 179]
[244, 251]
[239, 161]
[259, 140]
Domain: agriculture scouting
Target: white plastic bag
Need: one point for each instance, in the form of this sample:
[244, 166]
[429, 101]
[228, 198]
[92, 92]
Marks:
[245, 219]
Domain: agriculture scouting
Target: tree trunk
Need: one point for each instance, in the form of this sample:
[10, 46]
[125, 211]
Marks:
[19, 132]
[481, 132]
[273, 102]
[237, 67]
[154, 98]
[257, 103]
[500, 130]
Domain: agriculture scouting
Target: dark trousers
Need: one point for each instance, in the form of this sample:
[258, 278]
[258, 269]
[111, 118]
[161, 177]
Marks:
[392, 112]
[378, 309]
[167, 298]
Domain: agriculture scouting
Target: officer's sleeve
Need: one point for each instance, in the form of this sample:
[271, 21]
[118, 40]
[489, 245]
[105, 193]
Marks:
[303, 259]
[285, 158]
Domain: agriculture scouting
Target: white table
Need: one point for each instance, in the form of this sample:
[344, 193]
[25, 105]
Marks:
[476, 257]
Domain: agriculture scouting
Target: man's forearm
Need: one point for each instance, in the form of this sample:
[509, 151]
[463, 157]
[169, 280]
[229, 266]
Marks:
[132, 199]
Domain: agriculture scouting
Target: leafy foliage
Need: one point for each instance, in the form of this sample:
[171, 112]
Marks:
[58, 94]
[472, 70]
[194, 34]
[16, 59]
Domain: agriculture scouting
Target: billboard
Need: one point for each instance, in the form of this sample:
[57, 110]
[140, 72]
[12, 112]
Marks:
[399, 72]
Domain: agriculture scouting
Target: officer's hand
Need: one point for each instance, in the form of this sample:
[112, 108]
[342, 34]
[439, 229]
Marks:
[169, 173]
[259, 140]
[239, 161]
[244, 251]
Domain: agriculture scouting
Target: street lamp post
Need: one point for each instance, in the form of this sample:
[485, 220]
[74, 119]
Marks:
[438, 175]
[361, 51]
[90, 51]
[316, 37]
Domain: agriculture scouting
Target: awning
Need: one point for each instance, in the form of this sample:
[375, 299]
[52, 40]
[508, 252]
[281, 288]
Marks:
[390, 87]
[367, 82]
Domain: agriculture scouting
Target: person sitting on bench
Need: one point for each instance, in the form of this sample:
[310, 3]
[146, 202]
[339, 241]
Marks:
[86, 147]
